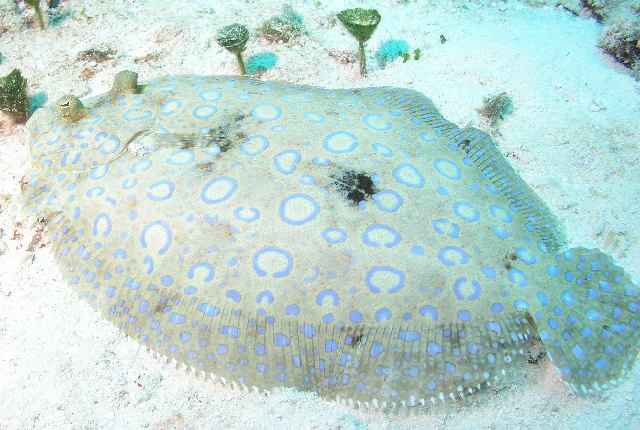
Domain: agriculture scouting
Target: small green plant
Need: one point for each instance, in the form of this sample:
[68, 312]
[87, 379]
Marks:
[442, 39]
[406, 57]
[13, 96]
[35, 4]
[283, 27]
[234, 38]
[497, 107]
[361, 23]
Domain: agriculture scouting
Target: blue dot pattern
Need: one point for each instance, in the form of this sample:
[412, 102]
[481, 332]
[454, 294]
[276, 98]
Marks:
[203, 216]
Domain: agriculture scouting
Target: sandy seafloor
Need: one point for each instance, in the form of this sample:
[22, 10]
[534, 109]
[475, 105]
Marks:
[574, 137]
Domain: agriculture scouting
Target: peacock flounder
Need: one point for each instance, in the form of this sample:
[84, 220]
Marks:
[350, 242]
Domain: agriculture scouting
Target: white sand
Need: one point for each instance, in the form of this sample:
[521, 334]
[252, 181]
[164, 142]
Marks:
[574, 137]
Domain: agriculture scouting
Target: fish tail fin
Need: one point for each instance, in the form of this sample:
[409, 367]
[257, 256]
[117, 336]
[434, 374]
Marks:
[588, 320]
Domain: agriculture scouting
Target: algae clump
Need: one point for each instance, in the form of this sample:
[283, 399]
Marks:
[13, 96]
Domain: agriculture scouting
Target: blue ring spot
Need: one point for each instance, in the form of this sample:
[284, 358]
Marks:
[204, 112]
[447, 168]
[378, 198]
[452, 228]
[264, 295]
[367, 120]
[181, 157]
[309, 212]
[167, 188]
[425, 137]
[461, 209]
[414, 180]
[460, 282]
[110, 146]
[266, 112]
[99, 172]
[293, 156]
[526, 256]
[210, 95]
[431, 311]
[231, 184]
[247, 145]
[313, 117]
[234, 295]
[383, 315]
[140, 166]
[270, 249]
[340, 147]
[321, 161]
[107, 220]
[518, 277]
[334, 235]
[500, 213]
[171, 104]
[129, 183]
[168, 233]
[134, 114]
[393, 241]
[238, 213]
[207, 266]
[385, 269]
[382, 149]
[502, 234]
[442, 256]
[328, 293]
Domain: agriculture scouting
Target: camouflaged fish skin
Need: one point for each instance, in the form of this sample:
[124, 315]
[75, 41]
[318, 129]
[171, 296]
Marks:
[350, 242]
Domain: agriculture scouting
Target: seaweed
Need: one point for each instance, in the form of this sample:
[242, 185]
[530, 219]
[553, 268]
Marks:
[497, 107]
[234, 38]
[35, 4]
[13, 96]
[621, 39]
[283, 27]
[361, 23]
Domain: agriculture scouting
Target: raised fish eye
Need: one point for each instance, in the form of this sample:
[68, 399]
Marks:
[70, 107]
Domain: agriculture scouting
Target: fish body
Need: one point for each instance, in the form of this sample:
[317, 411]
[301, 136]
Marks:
[350, 242]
